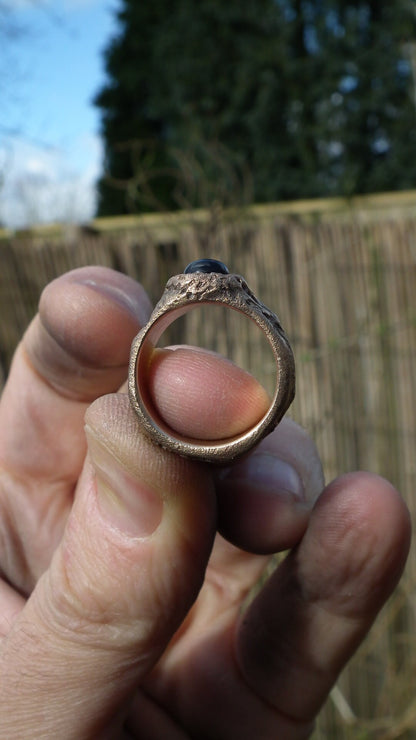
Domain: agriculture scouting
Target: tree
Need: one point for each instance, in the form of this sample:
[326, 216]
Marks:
[308, 97]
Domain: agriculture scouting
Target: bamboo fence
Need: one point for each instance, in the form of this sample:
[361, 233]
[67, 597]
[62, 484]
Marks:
[342, 278]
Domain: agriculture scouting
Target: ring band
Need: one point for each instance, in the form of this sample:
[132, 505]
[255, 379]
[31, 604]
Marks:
[205, 282]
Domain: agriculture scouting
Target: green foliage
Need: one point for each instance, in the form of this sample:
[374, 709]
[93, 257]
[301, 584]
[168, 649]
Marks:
[262, 100]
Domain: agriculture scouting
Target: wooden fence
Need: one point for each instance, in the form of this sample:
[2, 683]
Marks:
[342, 278]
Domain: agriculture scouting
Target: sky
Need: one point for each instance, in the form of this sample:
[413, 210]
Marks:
[50, 70]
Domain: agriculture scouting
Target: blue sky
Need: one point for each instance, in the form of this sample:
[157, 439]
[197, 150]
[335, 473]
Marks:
[50, 149]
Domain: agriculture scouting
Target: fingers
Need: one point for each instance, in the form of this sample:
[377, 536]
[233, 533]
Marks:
[264, 500]
[76, 349]
[127, 571]
[312, 614]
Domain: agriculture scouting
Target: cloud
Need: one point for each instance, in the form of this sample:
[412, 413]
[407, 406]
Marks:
[16, 5]
[41, 185]
[48, 4]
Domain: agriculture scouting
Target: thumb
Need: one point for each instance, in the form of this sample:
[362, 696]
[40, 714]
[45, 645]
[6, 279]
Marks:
[128, 569]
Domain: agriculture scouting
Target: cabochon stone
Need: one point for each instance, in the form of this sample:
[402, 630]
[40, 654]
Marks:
[206, 265]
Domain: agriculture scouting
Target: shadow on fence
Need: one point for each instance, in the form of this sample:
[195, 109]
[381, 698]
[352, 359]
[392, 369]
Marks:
[343, 282]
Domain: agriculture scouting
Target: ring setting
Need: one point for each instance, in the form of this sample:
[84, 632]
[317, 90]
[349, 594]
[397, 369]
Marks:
[208, 281]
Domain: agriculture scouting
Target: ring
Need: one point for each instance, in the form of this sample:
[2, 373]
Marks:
[203, 282]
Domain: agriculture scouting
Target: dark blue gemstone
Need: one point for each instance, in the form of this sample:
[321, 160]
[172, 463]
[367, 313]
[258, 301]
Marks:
[206, 265]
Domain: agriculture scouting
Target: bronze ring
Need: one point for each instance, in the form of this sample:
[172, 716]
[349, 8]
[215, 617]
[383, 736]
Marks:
[208, 281]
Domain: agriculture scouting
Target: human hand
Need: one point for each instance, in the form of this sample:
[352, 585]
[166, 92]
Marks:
[120, 604]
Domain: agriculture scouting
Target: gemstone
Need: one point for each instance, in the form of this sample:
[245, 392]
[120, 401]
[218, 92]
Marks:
[206, 265]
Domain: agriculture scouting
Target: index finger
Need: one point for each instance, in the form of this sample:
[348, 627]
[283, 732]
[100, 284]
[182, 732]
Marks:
[75, 350]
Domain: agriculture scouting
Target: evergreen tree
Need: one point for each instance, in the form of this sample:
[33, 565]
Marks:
[310, 97]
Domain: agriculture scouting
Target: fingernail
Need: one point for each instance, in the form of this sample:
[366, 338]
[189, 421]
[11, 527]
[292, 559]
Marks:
[267, 472]
[116, 290]
[132, 506]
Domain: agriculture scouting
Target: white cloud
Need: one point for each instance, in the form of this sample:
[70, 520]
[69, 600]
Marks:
[48, 4]
[13, 5]
[41, 185]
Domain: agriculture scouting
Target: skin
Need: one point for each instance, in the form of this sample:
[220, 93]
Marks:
[124, 567]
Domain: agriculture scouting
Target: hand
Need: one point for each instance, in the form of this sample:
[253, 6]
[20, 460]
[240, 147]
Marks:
[120, 604]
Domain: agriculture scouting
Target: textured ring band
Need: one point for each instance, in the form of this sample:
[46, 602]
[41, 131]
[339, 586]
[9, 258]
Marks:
[204, 282]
